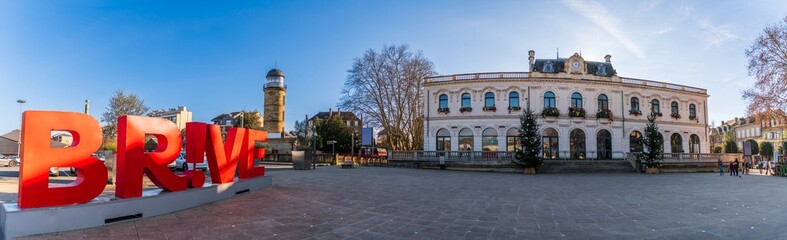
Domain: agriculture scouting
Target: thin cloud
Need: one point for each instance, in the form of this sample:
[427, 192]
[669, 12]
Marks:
[716, 35]
[598, 14]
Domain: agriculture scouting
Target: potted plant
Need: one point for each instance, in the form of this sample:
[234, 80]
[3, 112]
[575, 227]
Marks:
[693, 118]
[465, 109]
[675, 115]
[527, 155]
[653, 151]
[489, 109]
[514, 109]
[656, 114]
[576, 112]
[443, 110]
[604, 116]
[635, 112]
[550, 114]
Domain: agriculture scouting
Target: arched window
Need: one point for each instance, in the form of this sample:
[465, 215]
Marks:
[489, 99]
[692, 111]
[676, 143]
[576, 100]
[694, 143]
[466, 140]
[604, 144]
[465, 100]
[513, 99]
[443, 101]
[512, 140]
[489, 140]
[549, 141]
[603, 102]
[548, 67]
[443, 140]
[654, 106]
[634, 104]
[577, 144]
[549, 100]
[674, 107]
[635, 142]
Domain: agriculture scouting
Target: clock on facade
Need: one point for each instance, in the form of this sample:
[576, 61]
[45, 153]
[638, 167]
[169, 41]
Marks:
[575, 64]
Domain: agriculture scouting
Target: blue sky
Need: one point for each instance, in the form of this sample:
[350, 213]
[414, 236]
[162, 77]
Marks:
[212, 57]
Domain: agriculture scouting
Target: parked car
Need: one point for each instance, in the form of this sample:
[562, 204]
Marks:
[54, 171]
[374, 152]
[9, 161]
[181, 164]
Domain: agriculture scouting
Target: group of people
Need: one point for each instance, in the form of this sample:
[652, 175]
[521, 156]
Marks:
[734, 166]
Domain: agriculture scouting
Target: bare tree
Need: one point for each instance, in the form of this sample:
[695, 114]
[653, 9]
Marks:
[387, 87]
[121, 104]
[768, 64]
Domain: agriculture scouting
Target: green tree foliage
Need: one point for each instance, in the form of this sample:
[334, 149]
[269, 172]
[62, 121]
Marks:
[730, 146]
[333, 129]
[386, 86]
[653, 151]
[716, 149]
[527, 155]
[251, 120]
[302, 140]
[766, 150]
[755, 147]
[121, 104]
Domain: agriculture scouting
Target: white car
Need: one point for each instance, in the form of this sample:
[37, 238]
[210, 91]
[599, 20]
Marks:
[180, 163]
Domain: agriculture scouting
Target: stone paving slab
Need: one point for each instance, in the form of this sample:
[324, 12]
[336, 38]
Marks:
[395, 203]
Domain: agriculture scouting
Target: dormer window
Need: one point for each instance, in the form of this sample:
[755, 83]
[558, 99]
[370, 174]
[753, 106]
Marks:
[548, 67]
[601, 70]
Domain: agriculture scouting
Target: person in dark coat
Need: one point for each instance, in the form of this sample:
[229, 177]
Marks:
[735, 166]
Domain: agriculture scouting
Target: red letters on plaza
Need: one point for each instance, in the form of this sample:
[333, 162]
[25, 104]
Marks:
[38, 156]
[203, 140]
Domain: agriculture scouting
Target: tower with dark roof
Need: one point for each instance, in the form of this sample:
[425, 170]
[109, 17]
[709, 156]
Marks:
[274, 89]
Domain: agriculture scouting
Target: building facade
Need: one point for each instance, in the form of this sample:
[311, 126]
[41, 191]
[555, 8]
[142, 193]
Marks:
[758, 127]
[180, 115]
[586, 110]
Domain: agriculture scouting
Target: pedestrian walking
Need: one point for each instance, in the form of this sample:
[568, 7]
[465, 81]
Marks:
[746, 167]
[721, 167]
[768, 169]
[730, 168]
[735, 166]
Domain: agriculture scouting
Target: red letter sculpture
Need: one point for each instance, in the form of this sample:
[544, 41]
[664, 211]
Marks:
[38, 156]
[132, 160]
[223, 160]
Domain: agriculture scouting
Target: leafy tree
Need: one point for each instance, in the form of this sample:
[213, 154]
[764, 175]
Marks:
[251, 120]
[716, 149]
[767, 150]
[527, 155]
[121, 104]
[387, 87]
[302, 140]
[768, 65]
[755, 148]
[730, 146]
[653, 141]
[333, 129]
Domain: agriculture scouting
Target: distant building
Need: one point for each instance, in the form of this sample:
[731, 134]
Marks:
[757, 127]
[63, 138]
[180, 116]
[9, 143]
[349, 118]
[233, 119]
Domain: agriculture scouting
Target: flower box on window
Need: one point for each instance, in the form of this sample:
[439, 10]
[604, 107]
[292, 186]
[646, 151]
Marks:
[550, 112]
[443, 110]
[693, 118]
[635, 112]
[604, 116]
[489, 109]
[465, 109]
[657, 114]
[514, 109]
[675, 115]
[576, 112]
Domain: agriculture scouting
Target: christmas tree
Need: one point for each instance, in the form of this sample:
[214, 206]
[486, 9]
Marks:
[654, 144]
[527, 154]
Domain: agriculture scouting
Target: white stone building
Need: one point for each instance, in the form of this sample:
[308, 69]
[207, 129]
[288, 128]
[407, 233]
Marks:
[480, 111]
[180, 115]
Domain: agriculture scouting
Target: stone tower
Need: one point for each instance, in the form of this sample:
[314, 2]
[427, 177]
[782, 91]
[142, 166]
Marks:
[274, 88]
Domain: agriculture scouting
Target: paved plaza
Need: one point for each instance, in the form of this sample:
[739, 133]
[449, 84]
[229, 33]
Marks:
[398, 203]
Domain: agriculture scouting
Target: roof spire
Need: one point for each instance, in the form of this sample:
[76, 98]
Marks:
[557, 52]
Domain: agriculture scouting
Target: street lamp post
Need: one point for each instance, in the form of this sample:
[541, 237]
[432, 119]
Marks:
[19, 144]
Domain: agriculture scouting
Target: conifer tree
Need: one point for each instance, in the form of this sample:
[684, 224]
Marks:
[654, 144]
[527, 155]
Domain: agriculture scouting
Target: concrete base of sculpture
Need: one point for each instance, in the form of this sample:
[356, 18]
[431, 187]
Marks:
[15, 222]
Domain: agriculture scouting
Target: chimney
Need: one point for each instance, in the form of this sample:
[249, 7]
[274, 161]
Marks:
[330, 112]
[339, 111]
[87, 107]
[531, 58]
[607, 58]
